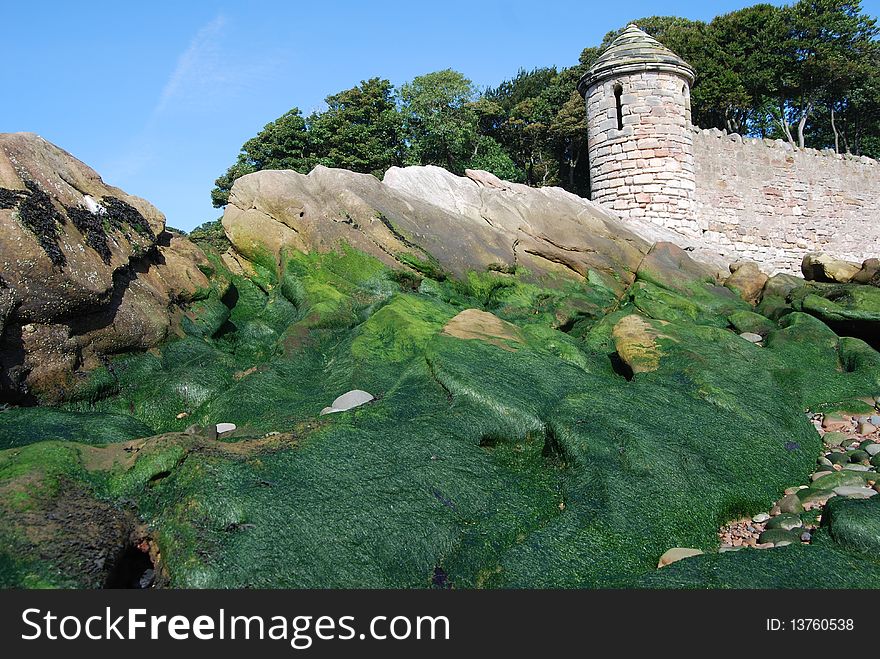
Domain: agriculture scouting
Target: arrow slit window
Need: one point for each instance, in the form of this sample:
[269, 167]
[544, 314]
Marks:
[618, 92]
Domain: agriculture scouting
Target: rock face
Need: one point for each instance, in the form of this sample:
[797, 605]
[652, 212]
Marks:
[428, 219]
[86, 270]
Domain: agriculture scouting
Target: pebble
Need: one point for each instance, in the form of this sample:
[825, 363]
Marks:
[751, 337]
[854, 492]
[760, 518]
[833, 423]
[874, 420]
[856, 467]
[858, 456]
[825, 462]
[182, 415]
[819, 475]
[834, 438]
[817, 498]
[866, 428]
[872, 450]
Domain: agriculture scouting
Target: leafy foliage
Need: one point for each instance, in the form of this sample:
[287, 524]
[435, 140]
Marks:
[808, 73]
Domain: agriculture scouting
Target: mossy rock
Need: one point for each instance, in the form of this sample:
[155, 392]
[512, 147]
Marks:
[855, 524]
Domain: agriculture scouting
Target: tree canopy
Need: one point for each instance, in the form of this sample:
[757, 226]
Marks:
[808, 73]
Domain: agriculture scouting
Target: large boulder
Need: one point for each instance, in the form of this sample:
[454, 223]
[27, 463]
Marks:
[87, 269]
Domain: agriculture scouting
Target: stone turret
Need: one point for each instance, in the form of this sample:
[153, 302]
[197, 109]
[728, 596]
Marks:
[639, 134]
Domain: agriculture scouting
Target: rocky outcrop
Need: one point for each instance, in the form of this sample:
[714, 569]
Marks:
[430, 220]
[87, 270]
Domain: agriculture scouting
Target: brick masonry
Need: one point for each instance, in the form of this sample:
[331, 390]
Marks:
[646, 169]
[765, 201]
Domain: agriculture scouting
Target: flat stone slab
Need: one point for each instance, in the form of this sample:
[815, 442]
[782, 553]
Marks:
[225, 427]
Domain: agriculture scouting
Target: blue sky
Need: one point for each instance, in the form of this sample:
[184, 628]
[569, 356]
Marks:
[158, 97]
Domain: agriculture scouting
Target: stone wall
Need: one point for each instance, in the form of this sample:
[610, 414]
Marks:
[646, 169]
[765, 201]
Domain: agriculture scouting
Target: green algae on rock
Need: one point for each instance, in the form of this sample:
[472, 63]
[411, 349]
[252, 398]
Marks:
[551, 409]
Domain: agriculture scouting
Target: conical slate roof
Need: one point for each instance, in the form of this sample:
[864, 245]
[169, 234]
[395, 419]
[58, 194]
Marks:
[632, 51]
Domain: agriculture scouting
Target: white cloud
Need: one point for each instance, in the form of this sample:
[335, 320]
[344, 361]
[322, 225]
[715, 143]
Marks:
[200, 68]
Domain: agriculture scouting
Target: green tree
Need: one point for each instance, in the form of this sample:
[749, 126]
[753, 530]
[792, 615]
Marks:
[283, 144]
[568, 130]
[440, 122]
[361, 129]
[827, 46]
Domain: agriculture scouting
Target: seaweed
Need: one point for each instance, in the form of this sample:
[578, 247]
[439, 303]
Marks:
[91, 226]
[10, 198]
[39, 215]
[120, 213]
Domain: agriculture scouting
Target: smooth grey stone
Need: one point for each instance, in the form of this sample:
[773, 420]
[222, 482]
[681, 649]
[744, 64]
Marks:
[854, 492]
[349, 400]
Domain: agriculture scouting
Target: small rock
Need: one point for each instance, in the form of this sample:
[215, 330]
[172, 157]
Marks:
[786, 521]
[858, 456]
[825, 462]
[790, 504]
[875, 420]
[223, 428]
[760, 518]
[806, 536]
[779, 537]
[817, 497]
[819, 474]
[856, 467]
[795, 489]
[349, 400]
[833, 423]
[182, 415]
[837, 458]
[854, 492]
[866, 428]
[834, 438]
[751, 337]
[872, 450]
[676, 554]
